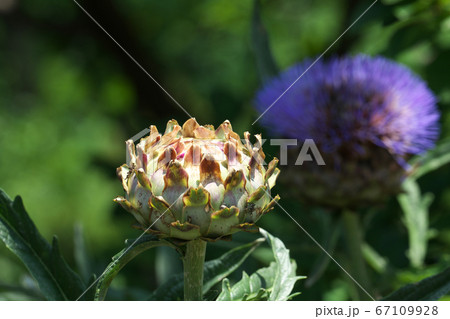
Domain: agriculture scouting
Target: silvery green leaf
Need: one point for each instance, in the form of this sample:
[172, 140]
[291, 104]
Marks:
[270, 283]
[415, 216]
[285, 278]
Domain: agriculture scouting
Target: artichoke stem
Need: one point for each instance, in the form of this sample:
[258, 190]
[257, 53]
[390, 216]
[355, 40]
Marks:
[354, 237]
[193, 269]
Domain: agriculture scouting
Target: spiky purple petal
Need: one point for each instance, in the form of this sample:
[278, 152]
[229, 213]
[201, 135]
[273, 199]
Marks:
[347, 102]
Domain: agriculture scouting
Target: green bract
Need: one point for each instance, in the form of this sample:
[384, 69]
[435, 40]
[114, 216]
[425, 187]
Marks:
[197, 182]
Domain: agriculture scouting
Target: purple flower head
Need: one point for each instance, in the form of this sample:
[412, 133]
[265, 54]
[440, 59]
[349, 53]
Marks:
[350, 102]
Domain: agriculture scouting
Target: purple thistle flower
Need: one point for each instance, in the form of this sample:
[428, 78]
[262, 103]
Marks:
[347, 102]
[366, 115]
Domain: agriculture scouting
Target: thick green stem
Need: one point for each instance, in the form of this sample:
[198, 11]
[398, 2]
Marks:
[193, 269]
[354, 237]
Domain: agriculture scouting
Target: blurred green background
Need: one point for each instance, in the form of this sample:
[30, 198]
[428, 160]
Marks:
[69, 98]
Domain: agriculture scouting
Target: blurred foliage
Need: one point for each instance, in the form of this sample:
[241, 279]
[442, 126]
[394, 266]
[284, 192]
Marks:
[69, 98]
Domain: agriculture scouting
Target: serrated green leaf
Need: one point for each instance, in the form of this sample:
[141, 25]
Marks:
[56, 280]
[248, 288]
[285, 277]
[415, 212]
[214, 272]
[254, 287]
[270, 283]
[134, 248]
[429, 289]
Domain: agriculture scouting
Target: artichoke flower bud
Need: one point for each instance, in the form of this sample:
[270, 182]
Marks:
[366, 115]
[197, 182]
